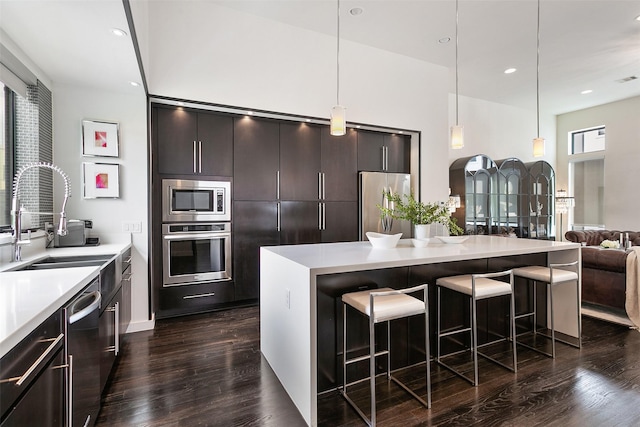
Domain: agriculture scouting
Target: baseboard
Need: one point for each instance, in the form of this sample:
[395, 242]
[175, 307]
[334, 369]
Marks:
[145, 325]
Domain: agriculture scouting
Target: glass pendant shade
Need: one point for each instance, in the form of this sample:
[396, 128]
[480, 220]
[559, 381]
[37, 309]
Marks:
[338, 120]
[538, 147]
[457, 137]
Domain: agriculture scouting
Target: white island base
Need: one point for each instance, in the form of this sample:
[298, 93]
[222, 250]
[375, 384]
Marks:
[288, 295]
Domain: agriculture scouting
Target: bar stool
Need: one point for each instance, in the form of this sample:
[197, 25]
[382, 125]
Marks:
[477, 287]
[552, 275]
[383, 305]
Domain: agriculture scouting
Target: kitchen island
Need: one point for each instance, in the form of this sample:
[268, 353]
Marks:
[289, 276]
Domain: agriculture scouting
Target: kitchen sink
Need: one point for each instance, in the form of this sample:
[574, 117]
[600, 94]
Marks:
[66, 262]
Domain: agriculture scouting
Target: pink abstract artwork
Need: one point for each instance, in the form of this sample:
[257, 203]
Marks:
[101, 139]
[102, 180]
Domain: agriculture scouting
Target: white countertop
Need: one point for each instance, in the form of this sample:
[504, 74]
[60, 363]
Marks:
[326, 258]
[27, 298]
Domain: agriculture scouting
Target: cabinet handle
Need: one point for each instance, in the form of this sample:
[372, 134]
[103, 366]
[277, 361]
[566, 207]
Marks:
[323, 182]
[210, 294]
[278, 217]
[320, 216]
[116, 318]
[386, 158]
[70, 392]
[21, 379]
[278, 185]
[199, 156]
[324, 216]
[194, 157]
[319, 185]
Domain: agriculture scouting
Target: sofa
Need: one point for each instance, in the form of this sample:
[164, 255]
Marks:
[603, 270]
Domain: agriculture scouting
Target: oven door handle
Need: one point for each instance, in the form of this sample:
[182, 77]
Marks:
[198, 236]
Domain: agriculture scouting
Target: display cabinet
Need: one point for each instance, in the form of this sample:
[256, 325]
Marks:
[513, 198]
[477, 178]
[506, 197]
[541, 200]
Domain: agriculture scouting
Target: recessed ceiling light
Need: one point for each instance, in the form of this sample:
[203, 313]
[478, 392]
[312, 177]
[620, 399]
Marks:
[638, 18]
[118, 32]
[444, 40]
[584, 92]
[136, 84]
[510, 70]
[356, 11]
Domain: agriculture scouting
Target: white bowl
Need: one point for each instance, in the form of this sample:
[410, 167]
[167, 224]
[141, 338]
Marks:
[420, 243]
[452, 239]
[383, 241]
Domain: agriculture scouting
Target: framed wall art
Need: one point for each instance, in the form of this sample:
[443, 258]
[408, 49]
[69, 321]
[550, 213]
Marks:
[101, 180]
[99, 138]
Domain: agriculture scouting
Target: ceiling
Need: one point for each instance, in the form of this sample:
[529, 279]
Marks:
[584, 45]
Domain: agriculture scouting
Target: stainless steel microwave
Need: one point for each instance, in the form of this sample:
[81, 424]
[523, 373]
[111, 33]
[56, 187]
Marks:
[190, 200]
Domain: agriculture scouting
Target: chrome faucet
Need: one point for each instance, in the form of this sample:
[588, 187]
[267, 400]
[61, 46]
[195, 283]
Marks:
[16, 214]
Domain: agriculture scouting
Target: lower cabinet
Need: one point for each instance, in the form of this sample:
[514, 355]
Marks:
[189, 299]
[109, 325]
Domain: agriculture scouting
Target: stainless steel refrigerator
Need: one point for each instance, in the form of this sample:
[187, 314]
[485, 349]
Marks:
[372, 185]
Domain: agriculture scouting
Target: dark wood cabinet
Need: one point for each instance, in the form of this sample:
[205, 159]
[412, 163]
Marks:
[381, 152]
[299, 162]
[398, 153]
[193, 143]
[109, 336]
[256, 159]
[196, 298]
[255, 224]
[299, 222]
[340, 222]
[339, 165]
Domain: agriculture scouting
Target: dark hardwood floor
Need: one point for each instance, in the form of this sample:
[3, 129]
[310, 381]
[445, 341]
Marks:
[207, 370]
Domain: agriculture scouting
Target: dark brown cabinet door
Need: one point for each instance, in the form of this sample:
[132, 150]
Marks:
[256, 159]
[176, 138]
[255, 224]
[370, 151]
[215, 145]
[340, 222]
[398, 153]
[299, 222]
[193, 143]
[299, 161]
[339, 163]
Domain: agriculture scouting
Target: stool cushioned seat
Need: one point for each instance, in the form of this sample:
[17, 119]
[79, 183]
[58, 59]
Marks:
[385, 307]
[485, 288]
[543, 274]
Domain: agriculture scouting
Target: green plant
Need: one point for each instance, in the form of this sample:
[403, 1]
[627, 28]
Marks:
[408, 208]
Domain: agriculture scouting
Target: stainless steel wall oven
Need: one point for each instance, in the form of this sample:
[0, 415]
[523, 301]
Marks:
[196, 252]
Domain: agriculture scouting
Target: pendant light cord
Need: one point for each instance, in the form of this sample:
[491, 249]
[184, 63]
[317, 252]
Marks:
[456, 62]
[338, 58]
[538, 73]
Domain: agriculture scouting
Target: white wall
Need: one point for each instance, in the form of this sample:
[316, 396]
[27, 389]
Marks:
[621, 172]
[70, 106]
[501, 131]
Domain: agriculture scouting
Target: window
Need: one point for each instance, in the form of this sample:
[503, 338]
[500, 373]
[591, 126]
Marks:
[586, 178]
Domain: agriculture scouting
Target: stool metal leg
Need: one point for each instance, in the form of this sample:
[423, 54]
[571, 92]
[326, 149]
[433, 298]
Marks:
[553, 328]
[474, 338]
[372, 368]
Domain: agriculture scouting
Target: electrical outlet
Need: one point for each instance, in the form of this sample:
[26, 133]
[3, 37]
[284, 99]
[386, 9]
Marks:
[287, 298]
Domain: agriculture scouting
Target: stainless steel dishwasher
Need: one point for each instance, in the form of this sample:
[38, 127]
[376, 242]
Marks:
[83, 356]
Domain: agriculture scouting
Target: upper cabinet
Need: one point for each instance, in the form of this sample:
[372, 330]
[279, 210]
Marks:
[192, 142]
[256, 159]
[300, 177]
[339, 165]
[380, 152]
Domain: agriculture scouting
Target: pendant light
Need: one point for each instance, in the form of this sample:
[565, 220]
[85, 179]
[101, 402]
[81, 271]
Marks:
[338, 112]
[457, 131]
[538, 142]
